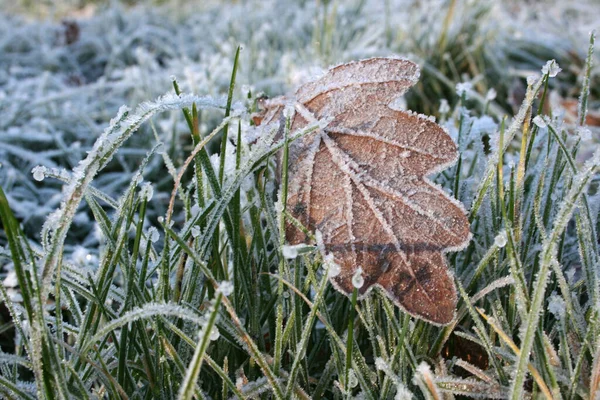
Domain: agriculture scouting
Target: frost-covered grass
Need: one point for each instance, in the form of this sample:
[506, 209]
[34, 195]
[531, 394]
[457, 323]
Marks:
[149, 262]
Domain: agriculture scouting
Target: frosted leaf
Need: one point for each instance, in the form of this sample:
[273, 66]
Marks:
[500, 240]
[539, 121]
[352, 379]
[361, 180]
[196, 231]
[39, 173]
[357, 279]
[226, 288]
[464, 88]
[153, 234]
[490, 95]
[551, 68]
[214, 334]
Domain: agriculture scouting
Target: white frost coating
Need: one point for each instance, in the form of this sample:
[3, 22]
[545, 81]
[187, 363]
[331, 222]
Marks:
[289, 252]
[402, 393]
[352, 379]
[39, 173]
[551, 68]
[556, 305]
[540, 122]
[584, 133]
[11, 280]
[357, 279]
[214, 334]
[380, 364]
[226, 288]
[196, 231]
[444, 107]
[147, 191]
[490, 95]
[153, 234]
[334, 268]
[464, 88]
[500, 239]
[532, 79]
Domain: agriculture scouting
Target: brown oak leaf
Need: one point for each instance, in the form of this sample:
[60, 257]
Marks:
[361, 181]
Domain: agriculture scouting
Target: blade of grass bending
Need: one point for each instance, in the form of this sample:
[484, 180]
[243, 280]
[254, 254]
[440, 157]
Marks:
[282, 262]
[188, 386]
[227, 112]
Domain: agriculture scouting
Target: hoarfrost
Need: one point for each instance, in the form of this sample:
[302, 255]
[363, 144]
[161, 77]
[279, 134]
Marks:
[444, 107]
[226, 288]
[153, 234]
[357, 279]
[540, 121]
[500, 239]
[352, 379]
[289, 252]
[557, 306]
[214, 334]
[147, 191]
[551, 68]
[196, 231]
[584, 133]
[464, 89]
[39, 173]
